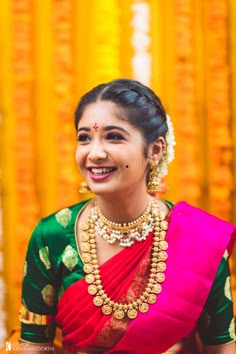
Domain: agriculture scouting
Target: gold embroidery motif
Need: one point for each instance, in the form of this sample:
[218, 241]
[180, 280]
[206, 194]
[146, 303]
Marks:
[70, 257]
[227, 289]
[226, 255]
[112, 332]
[63, 217]
[25, 269]
[44, 256]
[232, 329]
[49, 295]
[114, 329]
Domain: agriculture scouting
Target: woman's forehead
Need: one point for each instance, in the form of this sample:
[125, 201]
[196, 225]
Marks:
[105, 112]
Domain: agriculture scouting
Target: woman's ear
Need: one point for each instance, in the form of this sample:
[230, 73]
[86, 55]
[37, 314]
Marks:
[157, 149]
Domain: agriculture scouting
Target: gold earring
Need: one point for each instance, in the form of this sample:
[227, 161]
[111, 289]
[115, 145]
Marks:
[84, 188]
[154, 179]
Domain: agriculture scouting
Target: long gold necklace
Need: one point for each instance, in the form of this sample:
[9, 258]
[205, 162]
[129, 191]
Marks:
[156, 276]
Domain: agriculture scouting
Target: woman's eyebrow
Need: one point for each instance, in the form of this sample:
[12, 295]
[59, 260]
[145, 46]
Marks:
[84, 128]
[111, 127]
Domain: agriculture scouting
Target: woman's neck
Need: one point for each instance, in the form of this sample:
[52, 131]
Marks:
[123, 209]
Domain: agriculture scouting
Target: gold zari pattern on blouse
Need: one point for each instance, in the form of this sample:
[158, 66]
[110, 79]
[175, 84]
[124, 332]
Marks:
[232, 329]
[63, 217]
[70, 257]
[49, 295]
[227, 289]
[44, 256]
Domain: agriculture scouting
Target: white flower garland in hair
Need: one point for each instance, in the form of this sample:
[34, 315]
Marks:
[169, 153]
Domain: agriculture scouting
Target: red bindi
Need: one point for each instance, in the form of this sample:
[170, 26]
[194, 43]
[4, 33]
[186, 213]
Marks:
[95, 127]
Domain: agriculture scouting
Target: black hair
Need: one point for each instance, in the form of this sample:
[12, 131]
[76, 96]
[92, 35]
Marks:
[136, 103]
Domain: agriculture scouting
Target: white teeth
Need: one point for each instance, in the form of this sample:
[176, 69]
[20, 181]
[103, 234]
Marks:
[99, 171]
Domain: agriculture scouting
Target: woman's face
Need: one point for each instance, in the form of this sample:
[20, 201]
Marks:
[110, 151]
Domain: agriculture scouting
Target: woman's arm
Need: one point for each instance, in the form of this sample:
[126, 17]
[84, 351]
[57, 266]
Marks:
[228, 348]
[216, 325]
[39, 291]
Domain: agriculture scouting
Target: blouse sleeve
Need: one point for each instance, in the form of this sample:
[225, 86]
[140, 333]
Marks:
[39, 291]
[216, 324]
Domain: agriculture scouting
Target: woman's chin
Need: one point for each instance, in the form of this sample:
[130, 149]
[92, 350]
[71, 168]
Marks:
[102, 190]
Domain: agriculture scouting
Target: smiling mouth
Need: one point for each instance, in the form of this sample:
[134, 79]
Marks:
[101, 171]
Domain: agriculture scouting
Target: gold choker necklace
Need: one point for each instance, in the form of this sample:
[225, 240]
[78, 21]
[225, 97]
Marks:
[126, 233]
[156, 276]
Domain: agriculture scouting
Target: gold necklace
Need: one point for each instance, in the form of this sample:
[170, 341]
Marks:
[126, 233]
[156, 276]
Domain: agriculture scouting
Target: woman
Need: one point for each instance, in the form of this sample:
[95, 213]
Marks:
[115, 272]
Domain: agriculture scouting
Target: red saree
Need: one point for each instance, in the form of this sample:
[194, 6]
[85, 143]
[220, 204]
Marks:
[191, 232]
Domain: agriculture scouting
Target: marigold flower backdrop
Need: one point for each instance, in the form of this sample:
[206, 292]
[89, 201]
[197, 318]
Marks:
[52, 51]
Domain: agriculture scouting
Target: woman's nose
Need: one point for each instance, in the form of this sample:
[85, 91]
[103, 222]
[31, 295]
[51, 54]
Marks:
[97, 152]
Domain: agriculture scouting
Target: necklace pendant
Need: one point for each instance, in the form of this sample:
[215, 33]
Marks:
[86, 257]
[89, 278]
[85, 246]
[84, 237]
[92, 289]
[125, 234]
[162, 255]
[98, 301]
[156, 289]
[152, 299]
[88, 268]
[163, 245]
[164, 225]
[132, 313]
[160, 277]
[162, 235]
[106, 309]
[84, 226]
[119, 314]
[144, 307]
[161, 266]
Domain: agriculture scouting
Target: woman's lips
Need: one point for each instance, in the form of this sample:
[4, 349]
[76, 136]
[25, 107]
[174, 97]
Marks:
[101, 173]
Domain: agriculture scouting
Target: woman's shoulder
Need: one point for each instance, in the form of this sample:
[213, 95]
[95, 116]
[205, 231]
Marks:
[63, 217]
[58, 225]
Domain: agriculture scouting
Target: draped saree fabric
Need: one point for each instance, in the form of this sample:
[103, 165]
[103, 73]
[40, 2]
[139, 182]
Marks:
[197, 241]
[123, 276]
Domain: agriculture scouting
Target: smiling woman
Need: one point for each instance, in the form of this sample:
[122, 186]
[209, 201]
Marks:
[102, 154]
[120, 273]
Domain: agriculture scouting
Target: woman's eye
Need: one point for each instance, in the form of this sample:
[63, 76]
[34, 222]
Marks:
[83, 138]
[114, 136]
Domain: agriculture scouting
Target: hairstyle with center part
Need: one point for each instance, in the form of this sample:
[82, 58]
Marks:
[136, 104]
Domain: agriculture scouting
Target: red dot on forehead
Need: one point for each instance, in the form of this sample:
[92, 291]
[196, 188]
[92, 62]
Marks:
[95, 127]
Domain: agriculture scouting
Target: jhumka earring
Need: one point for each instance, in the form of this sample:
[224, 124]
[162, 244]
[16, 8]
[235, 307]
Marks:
[84, 188]
[154, 179]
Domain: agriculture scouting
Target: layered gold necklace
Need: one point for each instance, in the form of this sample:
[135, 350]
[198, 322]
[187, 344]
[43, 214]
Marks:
[157, 265]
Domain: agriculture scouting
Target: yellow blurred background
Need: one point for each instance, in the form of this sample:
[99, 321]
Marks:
[53, 51]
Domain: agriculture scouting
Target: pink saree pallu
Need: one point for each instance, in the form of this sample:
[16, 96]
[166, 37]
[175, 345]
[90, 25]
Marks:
[197, 241]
